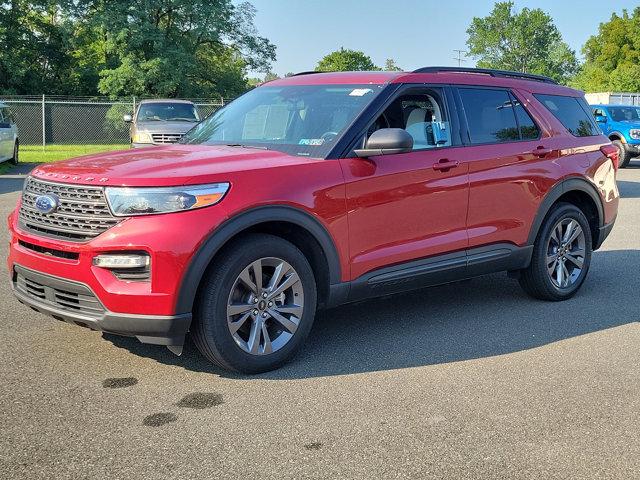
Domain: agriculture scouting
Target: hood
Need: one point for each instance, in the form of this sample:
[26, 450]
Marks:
[165, 127]
[169, 165]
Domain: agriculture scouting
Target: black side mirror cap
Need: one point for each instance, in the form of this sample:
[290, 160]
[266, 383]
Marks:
[386, 141]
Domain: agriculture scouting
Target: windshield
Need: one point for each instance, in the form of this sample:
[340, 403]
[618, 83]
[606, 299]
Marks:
[302, 120]
[167, 112]
[620, 114]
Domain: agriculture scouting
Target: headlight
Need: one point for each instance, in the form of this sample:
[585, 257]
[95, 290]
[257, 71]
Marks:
[127, 201]
[634, 133]
[142, 137]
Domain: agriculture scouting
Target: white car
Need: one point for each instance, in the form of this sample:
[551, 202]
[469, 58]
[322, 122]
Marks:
[9, 143]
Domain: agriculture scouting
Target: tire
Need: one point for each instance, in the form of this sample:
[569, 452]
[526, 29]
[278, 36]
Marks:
[16, 153]
[624, 154]
[536, 280]
[223, 287]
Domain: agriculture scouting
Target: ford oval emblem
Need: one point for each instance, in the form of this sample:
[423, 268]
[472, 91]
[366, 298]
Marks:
[47, 203]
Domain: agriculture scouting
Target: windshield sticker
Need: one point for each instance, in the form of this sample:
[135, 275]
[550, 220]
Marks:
[311, 141]
[360, 92]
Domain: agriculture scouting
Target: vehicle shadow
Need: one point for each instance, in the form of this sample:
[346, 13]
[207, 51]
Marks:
[483, 317]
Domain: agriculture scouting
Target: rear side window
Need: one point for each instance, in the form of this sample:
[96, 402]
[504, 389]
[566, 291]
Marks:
[494, 116]
[571, 113]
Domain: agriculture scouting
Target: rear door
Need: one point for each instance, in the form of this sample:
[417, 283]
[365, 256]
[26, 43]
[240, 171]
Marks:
[510, 164]
[413, 205]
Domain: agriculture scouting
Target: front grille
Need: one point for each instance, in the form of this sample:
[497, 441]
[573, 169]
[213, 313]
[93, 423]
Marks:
[65, 295]
[166, 137]
[82, 214]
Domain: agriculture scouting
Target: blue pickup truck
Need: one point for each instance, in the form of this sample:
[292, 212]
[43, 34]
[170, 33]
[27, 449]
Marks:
[621, 123]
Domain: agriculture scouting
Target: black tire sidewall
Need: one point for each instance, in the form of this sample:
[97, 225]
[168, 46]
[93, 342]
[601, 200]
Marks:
[16, 150]
[624, 154]
[212, 313]
[563, 211]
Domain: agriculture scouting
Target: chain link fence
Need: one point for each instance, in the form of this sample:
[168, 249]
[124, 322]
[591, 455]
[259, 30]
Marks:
[50, 120]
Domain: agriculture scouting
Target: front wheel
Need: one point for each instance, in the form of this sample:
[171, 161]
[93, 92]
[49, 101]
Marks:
[561, 255]
[256, 306]
[624, 155]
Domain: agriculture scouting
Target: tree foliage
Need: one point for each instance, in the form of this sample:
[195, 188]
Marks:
[390, 65]
[525, 41]
[345, 60]
[190, 48]
[612, 57]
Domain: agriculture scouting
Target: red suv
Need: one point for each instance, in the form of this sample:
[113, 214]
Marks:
[313, 191]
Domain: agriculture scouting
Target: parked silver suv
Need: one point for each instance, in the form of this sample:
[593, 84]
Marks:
[158, 122]
[9, 143]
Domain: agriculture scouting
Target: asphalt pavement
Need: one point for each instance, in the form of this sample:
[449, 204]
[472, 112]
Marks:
[469, 380]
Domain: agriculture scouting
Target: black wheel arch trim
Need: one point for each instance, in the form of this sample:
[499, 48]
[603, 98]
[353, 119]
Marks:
[237, 224]
[559, 189]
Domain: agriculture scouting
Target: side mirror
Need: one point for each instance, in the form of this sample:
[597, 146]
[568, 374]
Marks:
[601, 119]
[127, 118]
[386, 141]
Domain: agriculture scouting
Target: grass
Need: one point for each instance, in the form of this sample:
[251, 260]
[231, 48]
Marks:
[55, 153]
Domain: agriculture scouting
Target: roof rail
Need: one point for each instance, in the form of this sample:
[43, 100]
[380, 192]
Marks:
[308, 72]
[487, 71]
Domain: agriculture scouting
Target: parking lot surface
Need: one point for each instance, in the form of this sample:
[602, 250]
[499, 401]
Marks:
[469, 380]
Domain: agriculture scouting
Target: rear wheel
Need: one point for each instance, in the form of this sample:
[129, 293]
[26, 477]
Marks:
[561, 255]
[16, 152]
[624, 154]
[256, 306]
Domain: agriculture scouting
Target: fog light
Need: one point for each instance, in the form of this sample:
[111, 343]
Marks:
[121, 261]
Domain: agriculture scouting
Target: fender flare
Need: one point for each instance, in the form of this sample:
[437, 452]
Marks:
[231, 227]
[559, 189]
[623, 139]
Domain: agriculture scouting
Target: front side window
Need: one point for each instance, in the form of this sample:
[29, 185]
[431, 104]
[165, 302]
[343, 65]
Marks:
[167, 112]
[572, 112]
[305, 120]
[622, 114]
[422, 113]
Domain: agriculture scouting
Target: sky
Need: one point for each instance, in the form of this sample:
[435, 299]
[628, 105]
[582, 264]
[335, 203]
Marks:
[415, 33]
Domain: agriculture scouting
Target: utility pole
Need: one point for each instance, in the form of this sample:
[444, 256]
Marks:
[459, 58]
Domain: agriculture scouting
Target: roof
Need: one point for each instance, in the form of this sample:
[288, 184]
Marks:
[432, 77]
[165, 100]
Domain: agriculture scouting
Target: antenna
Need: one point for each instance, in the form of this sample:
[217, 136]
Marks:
[459, 58]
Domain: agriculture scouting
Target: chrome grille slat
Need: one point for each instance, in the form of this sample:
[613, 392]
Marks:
[166, 137]
[82, 214]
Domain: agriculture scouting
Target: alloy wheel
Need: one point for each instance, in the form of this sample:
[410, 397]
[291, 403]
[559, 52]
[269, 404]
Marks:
[265, 306]
[566, 253]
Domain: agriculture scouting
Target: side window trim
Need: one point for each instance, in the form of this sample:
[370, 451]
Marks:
[451, 111]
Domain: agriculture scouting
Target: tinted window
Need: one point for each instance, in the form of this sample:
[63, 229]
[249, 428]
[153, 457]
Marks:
[490, 115]
[528, 128]
[570, 112]
[621, 114]
[167, 112]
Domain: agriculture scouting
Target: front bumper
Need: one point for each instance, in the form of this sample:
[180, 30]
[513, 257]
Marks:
[75, 303]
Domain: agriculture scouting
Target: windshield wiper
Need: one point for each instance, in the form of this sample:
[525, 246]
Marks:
[245, 146]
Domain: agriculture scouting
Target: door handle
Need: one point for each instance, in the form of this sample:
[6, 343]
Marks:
[445, 164]
[541, 152]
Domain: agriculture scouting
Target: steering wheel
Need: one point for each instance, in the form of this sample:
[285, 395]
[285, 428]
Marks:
[328, 136]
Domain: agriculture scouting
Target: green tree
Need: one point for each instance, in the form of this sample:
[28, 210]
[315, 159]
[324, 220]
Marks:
[390, 65]
[345, 60]
[34, 48]
[524, 41]
[186, 48]
[612, 56]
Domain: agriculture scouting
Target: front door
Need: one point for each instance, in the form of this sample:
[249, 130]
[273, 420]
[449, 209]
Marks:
[413, 205]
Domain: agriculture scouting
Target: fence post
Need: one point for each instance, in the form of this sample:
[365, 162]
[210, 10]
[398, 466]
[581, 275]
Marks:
[222, 101]
[44, 125]
[134, 106]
